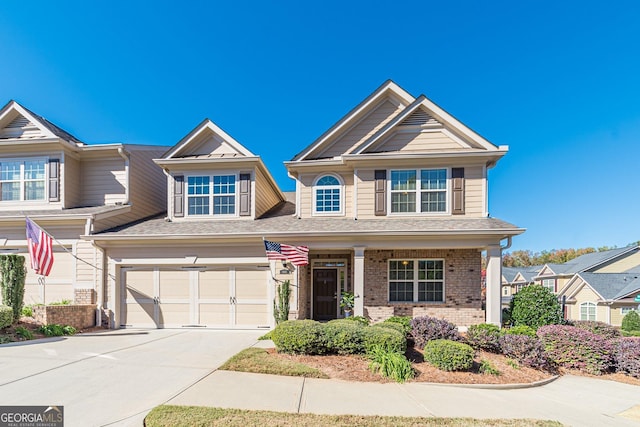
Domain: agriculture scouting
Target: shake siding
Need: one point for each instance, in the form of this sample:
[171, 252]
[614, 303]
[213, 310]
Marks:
[103, 182]
[622, 265]
[263, 195]
[71, 192]
[148, 194]
[418, 142]
[366, 127]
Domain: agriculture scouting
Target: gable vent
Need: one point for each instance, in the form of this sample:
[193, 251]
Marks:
[19, 122]
[419, 118]
[20, 127]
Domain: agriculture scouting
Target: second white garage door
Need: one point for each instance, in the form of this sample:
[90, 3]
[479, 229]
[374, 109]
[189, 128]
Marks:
[234, 297]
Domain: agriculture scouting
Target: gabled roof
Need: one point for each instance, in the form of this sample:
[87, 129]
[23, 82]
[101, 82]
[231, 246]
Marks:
[611, 286]
[520, 274]
[17, 116]
[589, 261]
[509, 273]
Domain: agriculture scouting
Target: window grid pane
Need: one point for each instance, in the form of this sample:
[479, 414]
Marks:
[403, 180]
[10, 191]
[224, 184]
[403, 202]
[34, 170]
[198, 185]
[10, 171]
[433, 179]
[328, 180]
[434, 201]
[224, 205]
[328, 200]
[199, 205]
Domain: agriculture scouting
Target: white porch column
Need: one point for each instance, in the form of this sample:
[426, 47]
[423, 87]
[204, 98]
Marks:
[493, 285]
[358, 280]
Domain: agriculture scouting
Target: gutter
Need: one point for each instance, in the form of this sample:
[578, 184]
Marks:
[127, 159]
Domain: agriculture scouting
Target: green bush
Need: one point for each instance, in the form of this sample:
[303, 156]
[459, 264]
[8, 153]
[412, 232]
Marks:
[630, 333]
[520, 330]
[449, 355]
[389, 339]
[27, 311]
[389, 325]
[344, 336]
[56, 330]
[535, 306]
[24, 333]
[6, 316]
[390, 364]
[299, 337]
[62, 302]
[487, 368]
[359, 319]
[484, 336]
[405, 321]
[631, 321]
[12, 274]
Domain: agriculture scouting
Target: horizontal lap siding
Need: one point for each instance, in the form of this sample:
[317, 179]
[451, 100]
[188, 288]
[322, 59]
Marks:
[306, 193]
[148, 183]
[70, 175]
[622, 265]
[265, 197]
[366, 194]
[418, 142]
[103, 182]
[474, 191]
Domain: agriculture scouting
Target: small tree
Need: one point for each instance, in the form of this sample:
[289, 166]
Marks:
[12, 273]
[535, 306]
[281, 304]
[631, 321]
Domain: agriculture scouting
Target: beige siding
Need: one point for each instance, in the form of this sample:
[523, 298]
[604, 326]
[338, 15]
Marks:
[418, 142]
[306, 197]
[103, 181]
[58, 285]
[148, 194]
[209, 144]
[70, 175]
[306, 193]
[86, 274]
[366, 193]
[474, 196]
[366, 127]
[264, 196]
[616, 313]
[622, 265]
[586, 294]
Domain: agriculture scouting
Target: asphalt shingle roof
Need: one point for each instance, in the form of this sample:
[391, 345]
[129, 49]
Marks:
[587, 261]
[612, 285]
[58, 212]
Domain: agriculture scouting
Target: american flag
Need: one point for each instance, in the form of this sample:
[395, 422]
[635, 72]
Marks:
[40, 249]
[297, 255]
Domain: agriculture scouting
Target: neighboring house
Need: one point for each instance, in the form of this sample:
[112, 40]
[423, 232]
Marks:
[514, 279]
[70, 189]
[391, 201]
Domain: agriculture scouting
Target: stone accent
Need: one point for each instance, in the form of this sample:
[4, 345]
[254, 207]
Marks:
[78, 316]
[84, 296]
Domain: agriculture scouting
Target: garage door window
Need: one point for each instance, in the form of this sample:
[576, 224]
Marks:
[215, 194]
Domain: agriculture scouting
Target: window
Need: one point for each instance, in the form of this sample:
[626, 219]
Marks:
[327, 195]
[626, 310]
[211, 194]
[587, 311]
[416, 280]
[419, 191]
[549, 284]
[22, 180]
[505, 291]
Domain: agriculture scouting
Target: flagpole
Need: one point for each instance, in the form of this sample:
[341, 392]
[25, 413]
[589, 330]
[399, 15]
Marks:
[41, 281]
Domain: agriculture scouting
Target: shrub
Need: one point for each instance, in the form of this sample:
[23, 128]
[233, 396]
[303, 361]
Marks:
[484, 337]
[535, 306]
[12, 274]
[405, 321]
[598, 328]
[449, 355]
[527, 350]
[344, 336]
[576, 348]
[425, 329]
[6, 316]
[299, 337]
[56, 330]
[506, 317]
[631, 321]
[487, 368]
[389, 325]
[630, 333]
[27, 311]
[62, 302]
[520, 330]
[388, 339]
[359, 319]
[627, 356]
[390, 364]
[24, 333]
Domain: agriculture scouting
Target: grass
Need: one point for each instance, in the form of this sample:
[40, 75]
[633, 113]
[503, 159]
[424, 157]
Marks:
[170, 416]
[257, 360]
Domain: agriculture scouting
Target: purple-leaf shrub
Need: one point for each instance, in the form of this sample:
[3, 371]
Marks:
[425, 329]
[598, 328]
[576, 348]
[484, 336]
[627, 356]
[527, 350]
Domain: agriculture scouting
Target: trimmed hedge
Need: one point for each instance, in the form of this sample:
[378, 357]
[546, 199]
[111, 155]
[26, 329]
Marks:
[389, 325]
[576, 348]
[527, 350]
[299, 337]
[385, 338]
[631, 321]
[405, 321]
[598, 328]
[535, 306]
[520, 330]
[627, 356]
[425, 329]
[6, 316]
[344, 336]
[484, 336]
[449, 355]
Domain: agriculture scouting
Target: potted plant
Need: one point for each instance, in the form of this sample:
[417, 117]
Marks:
[347, 301]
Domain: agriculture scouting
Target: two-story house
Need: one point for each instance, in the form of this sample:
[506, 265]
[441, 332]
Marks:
[70, 189]
[392, 202]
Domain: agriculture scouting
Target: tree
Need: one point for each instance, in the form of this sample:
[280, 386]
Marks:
[281, 306]
[535, 306]
[631, 321]
[12, 273]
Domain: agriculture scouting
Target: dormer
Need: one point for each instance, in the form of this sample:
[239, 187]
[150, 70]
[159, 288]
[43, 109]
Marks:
[211, 176]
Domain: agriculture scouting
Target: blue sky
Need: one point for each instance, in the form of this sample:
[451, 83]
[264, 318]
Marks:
[559, 82]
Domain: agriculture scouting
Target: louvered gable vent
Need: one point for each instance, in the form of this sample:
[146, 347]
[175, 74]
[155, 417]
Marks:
[17, 128]
[419, 118]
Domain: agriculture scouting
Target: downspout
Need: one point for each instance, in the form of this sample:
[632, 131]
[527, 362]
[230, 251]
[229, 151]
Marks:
[504, 248]
[127, 158]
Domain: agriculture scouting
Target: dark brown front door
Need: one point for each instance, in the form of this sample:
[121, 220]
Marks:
[325, 294]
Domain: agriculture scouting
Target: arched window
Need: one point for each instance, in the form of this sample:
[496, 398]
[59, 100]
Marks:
[587, 311]
[327, 195]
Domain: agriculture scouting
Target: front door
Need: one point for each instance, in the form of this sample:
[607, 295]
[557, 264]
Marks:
[325, 294]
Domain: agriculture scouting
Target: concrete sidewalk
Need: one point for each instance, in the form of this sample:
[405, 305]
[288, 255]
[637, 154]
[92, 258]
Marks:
[571, 400]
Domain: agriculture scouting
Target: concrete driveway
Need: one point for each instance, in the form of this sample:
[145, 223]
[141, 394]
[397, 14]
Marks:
[116, 377]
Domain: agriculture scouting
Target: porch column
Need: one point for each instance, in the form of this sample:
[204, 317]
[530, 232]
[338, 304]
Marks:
[358, 280]
[493, 285]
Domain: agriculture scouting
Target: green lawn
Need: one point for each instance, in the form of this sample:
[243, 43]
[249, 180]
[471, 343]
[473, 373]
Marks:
[257, 360]
[193, 416]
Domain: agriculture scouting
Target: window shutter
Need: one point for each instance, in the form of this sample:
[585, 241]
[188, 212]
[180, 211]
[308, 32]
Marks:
[245, 194]
[54, 180]
[380, 193]
[457, 175]
[178, 195]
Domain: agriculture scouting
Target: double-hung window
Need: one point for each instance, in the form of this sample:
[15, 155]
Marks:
[549, 284]
[22, 180]
[587, 311]
[419, 191]
[211, 195]
[416, 280]
[327, 193]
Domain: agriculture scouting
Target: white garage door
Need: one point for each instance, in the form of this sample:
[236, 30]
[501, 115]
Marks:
[226, 297]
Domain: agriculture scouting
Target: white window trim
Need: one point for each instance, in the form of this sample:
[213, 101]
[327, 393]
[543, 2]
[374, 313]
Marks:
[236, 175]
[22, 181]
[589, 304]
[418, 192]
[341, 187]
[626, 310]
[542, 282]
[416, 281]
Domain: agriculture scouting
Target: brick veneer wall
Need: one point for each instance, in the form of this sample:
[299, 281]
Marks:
[78, 316]
[84, 296]
[462, 273]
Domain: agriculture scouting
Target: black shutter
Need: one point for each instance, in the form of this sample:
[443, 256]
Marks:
[178, 195]
[457, 177]
[380, 208]
[245, 194]
[54, 180]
